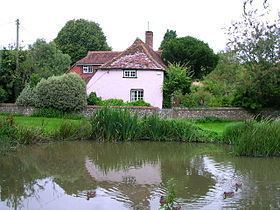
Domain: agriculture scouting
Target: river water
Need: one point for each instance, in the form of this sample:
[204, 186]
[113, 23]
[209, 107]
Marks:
[134, 175]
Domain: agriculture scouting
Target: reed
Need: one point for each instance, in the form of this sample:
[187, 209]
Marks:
[156, 129]
[255, 138]
[121, 125]
[114, 125]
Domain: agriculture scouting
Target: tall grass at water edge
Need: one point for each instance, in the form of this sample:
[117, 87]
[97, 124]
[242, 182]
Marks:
[251, 138]
[121, 125]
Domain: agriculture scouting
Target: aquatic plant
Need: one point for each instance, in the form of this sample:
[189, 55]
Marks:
[72, 131]
[157, 129]
[253, 138]
[114, 125]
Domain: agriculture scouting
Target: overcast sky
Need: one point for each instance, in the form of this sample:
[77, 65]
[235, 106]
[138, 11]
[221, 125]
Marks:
[122, 20]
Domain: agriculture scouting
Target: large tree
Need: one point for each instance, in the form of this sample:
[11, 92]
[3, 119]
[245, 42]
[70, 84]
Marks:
[256, 42]
[45, 60]
[77, 37]
[12, 80]
[169, 35]
[191, 52]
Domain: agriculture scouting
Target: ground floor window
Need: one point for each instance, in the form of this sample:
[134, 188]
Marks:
[136, 94]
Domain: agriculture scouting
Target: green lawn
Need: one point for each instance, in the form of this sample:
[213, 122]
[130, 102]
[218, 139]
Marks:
[217, 127]
[48, 124]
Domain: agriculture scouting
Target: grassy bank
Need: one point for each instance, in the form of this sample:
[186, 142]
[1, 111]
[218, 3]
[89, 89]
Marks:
[248, 138]
[19, 130]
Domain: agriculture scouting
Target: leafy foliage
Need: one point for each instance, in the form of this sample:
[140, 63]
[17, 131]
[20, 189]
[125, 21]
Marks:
[260, 88]
[93, 99]
[27, 97]
[190, 52]
[138, 103]
[65, 93]
[11, 79]
[253, 38]
[3, 95]
[257, 45]
[217, 89]
[177, 79]
[169, 35]
[45, 60]
[78, 37]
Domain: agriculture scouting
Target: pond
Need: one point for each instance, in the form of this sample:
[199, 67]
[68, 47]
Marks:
[134, 176]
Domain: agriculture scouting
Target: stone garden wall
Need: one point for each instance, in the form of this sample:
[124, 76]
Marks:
[187, 113]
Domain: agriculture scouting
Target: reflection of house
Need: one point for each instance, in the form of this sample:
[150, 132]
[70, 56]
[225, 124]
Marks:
[134, 184]
[147, 174]
[134, 74]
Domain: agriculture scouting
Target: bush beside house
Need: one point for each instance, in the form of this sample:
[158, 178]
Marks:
[66, 93]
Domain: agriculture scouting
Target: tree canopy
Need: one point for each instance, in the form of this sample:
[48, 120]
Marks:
[190, 52]
[169, 35]
[12, 81]
[77, 37]
[256, 43]
[254, 39]
[45, 60]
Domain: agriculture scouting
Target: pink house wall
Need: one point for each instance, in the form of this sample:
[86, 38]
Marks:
[111, 84]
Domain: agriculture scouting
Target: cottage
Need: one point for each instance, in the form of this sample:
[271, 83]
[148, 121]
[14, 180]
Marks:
[134, 74]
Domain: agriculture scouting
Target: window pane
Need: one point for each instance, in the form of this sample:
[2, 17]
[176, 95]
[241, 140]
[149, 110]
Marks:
[130, 73]
[136, 95]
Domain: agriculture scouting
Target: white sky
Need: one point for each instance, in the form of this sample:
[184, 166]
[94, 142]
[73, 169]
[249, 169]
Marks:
[122, 20]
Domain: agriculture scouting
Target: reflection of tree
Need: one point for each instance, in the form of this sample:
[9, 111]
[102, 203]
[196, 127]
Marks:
[17, 180]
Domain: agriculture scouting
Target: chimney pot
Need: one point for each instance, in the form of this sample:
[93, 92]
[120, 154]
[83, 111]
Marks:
[149, 39]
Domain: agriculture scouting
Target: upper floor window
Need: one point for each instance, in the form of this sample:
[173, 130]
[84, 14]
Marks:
[136, 94]
[87, 69]
[129, 73]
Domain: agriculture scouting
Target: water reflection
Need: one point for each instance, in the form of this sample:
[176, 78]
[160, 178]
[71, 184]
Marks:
[134, 176]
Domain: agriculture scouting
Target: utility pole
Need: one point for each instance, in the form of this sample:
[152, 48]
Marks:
[17, 45]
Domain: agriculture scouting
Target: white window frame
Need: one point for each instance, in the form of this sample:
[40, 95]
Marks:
[136, 94]
[129, 73]
[87, 69]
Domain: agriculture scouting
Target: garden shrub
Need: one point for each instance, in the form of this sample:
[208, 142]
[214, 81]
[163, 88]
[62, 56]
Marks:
[65, 93]
[27, 97]
[93, 99]
[137, 103]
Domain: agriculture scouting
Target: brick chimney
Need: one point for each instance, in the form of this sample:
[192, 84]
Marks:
[149, 38]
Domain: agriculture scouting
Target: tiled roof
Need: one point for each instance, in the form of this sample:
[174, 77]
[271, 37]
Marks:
[98, 57]
[138, 56]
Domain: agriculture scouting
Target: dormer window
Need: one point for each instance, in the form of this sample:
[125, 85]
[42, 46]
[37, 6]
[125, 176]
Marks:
[129, 73]
[87, 69]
